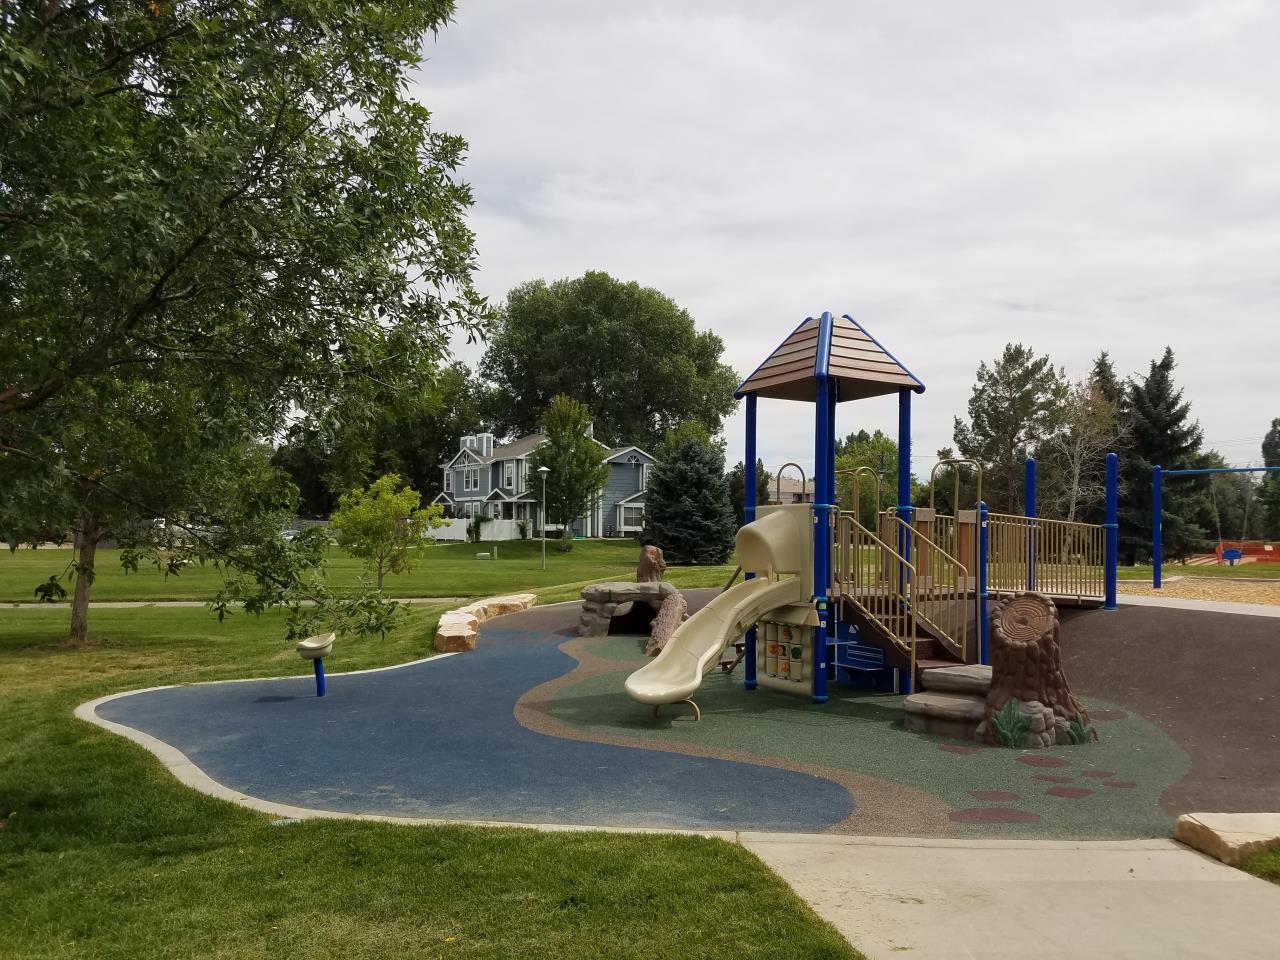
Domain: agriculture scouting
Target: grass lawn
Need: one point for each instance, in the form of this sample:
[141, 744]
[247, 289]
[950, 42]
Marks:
[1247, 571]
[447, 570]
[104, 855]
[1264, 865]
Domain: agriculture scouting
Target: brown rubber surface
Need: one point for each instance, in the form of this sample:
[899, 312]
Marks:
[1211, 681]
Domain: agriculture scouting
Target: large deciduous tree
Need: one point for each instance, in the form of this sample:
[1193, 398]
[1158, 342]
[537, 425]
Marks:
[628, 352]
[1073, 485]
[575, 462]
[212, 214]
[857, 453]
[1016, 403]
[687, 509]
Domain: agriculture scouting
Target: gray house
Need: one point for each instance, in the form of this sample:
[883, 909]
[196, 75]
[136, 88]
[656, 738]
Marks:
[496, 480]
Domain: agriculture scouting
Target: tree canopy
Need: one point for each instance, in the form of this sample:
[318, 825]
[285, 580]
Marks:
[213, 215]
[628, 352]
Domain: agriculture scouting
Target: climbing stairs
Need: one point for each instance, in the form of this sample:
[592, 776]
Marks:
[951, 702]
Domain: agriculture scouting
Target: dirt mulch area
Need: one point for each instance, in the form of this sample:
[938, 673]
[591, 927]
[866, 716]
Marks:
[1211, 681]
[1210, 588]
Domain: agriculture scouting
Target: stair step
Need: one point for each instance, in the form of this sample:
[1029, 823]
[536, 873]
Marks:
[949, 706]
[932, 663]
[944, 714]
[968, 678]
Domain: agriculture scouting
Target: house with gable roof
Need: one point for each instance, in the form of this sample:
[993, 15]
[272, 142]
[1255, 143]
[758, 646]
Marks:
[496, 480]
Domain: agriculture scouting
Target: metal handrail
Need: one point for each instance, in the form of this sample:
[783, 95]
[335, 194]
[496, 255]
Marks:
[855, 472]
[940, 592]
[878, 580]
[734, 576]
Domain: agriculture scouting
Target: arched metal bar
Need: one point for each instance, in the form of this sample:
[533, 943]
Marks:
[856, 472]
[777, 481]
[954, 462]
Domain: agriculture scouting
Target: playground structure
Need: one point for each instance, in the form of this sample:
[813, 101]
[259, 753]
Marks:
[828, 599]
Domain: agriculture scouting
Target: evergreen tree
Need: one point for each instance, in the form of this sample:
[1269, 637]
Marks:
[736, 479]
[1160, 431]
[1269, 491]
[687, 508]
[1103, 376]
[1016, 403]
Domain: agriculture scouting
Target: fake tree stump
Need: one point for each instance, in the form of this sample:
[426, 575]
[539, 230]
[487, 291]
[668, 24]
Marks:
[1029, 703]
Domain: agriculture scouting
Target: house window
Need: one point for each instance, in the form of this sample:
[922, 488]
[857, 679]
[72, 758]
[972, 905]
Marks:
[471, 478]
[509, 474]
[448, 481]
[632, 518]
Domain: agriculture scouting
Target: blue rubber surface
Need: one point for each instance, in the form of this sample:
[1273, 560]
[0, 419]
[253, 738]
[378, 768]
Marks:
[438, 739]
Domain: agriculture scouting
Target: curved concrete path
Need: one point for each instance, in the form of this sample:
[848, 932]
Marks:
[437, 739]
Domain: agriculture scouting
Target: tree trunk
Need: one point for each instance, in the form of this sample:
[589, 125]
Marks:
[1026, 665]
[86, 548]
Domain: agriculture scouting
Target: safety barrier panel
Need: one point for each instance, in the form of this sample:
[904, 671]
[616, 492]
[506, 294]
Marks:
[1062, 558]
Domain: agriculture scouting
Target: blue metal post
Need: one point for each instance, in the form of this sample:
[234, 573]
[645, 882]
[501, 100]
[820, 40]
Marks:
[748, 516]
[823, 495]
[982, 580]
[318, 662]
[904, 469]
[1029, 486]
[1157, 524]
[1112, 526]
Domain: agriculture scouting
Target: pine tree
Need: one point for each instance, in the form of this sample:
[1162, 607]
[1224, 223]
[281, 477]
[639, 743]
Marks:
[736, 479]
[687, 509]
[1016, 403]
[1162, 432]
[1112, 388]
[1269, 492]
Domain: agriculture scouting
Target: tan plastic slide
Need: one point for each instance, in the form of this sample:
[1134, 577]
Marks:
[773, 546]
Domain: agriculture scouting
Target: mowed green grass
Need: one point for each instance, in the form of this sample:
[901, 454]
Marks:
[104, 855]
[446, 570]
[1245, 571]
[1264, 865]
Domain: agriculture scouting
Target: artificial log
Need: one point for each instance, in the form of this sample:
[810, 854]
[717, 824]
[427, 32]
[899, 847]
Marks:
[1026, 666]
[651, 566]
[670, 615]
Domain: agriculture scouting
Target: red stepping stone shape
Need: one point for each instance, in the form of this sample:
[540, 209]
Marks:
[1100, 774]
[994, 796]
[994, 815]
[1043, 761]
[1107, 715]
[1120, 784]
[1071, 793]
[1051, 778]
[956, 748]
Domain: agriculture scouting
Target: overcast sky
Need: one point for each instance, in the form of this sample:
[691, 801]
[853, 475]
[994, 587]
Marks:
[1079, 177]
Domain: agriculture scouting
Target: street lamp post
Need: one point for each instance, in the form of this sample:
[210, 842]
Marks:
[542, 472]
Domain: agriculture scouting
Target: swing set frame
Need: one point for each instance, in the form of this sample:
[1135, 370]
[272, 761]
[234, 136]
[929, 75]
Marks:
[1158, 475]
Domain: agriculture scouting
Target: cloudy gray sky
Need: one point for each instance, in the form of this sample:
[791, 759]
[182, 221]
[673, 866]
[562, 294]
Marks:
[1082, 176]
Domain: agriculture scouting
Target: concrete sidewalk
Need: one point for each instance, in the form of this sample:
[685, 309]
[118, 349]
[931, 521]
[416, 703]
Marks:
[935, 899]
[1203, 606]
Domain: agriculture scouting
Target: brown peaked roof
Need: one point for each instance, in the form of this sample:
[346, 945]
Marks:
[853, 358]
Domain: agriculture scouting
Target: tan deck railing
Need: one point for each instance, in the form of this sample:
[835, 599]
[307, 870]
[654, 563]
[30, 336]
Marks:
[1062, 558]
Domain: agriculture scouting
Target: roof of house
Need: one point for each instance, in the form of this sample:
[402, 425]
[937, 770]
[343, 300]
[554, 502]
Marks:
[835, 346]
[518, 448]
